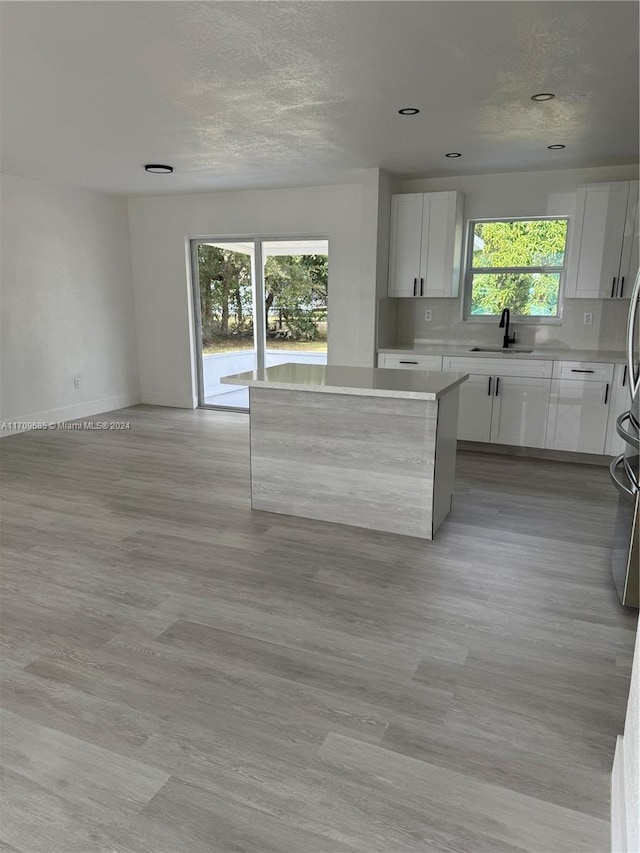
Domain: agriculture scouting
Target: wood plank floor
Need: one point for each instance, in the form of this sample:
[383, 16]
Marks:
[184, 675]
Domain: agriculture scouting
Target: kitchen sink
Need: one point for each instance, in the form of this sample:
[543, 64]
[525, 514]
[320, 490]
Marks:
[502, 350]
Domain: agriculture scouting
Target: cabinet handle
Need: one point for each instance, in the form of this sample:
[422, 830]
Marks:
[422, 287]
[415, 287]
[613, 287]
[575, 370]
[624, 376]
[408, 362]
[489, 386]
[606, 394]
[497, 385]
[621, 286]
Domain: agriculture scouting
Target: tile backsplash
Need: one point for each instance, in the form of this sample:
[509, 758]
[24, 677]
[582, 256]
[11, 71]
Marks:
[607, 331]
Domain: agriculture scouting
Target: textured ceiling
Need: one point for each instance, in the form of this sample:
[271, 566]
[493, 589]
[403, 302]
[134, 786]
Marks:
[252, 94]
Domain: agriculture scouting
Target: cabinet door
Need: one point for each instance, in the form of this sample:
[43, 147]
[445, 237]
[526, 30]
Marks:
[620, 402]
[520, 408]
[476, 400]
[596, 237]
[405, 244]
[630, 244]
[442, 245]
[578, 414]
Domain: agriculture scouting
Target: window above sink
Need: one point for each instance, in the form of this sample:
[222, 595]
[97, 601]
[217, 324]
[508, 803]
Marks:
[517, 264]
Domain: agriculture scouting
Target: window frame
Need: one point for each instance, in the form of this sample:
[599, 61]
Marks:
[469, 270]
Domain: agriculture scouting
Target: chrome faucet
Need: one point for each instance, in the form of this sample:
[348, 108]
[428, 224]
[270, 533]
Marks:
[504, 324]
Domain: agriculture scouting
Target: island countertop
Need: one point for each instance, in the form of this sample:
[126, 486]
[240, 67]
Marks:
[358, 381]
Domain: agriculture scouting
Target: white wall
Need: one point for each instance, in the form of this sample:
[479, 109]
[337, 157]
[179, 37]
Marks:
[632, 756]
[625, 775]
[518, 194]
[66, 299]
[160, 228]
[387, 315]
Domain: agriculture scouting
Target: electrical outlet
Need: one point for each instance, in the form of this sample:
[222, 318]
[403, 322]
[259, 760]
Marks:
[588, 318]
[76, 381]
[427, 315]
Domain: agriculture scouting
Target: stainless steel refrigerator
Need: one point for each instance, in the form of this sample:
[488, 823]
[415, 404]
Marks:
[625, 475]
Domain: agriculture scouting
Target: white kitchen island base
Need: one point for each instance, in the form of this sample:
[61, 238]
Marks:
[360, 454]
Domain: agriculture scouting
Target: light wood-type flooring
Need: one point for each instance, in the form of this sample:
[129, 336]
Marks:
[184, 675]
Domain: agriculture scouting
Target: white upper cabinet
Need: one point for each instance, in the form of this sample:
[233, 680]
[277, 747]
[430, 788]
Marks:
[603, 257]
[441, 267]
[426, 244]
[405, 244]
[630, 243]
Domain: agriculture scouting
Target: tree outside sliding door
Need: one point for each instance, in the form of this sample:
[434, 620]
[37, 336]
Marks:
[225, 333]
[248, 317]
[295, 281]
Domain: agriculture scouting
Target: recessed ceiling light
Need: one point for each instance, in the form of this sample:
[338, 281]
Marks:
[409, 111]
[158, 169]
[555, 147]
[453, 154]
[543, 96]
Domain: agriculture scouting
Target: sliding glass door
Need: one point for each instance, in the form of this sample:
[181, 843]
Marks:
[256, 303]
[224, 273]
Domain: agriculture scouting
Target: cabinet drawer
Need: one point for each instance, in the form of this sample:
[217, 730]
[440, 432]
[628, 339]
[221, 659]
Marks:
[502, 366]
[585, 370]
[410, 362]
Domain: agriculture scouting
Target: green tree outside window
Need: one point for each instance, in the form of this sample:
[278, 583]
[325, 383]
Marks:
[517, 264]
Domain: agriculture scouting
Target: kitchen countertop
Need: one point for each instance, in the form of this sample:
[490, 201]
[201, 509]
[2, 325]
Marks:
[358, 381]
[541, 353]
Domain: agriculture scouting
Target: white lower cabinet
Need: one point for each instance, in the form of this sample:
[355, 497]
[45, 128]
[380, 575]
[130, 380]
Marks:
[476, 401]
[519, 414]
[407, 361]
[620, 401]
[561, 405]
[579, 407]
[506, 403]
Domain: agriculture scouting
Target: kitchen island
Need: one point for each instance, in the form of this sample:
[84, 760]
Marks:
[367, 447]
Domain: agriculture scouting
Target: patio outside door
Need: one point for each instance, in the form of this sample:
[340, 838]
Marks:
[246, 320]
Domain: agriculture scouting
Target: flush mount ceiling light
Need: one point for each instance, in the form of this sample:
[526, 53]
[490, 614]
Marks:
[409, 111]
[453, 154]
[555, 147]
[543, 96]
[158, 169]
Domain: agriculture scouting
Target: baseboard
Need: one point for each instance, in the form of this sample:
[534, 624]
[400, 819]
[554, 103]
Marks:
[618, 801]
[151, 398]
[11, 426]
[535, 453]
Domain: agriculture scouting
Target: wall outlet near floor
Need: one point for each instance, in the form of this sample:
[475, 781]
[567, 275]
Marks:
[588, 318]
[427, 315]
[76, 381]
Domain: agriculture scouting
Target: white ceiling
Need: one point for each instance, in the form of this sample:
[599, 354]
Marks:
[253, 94]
